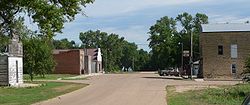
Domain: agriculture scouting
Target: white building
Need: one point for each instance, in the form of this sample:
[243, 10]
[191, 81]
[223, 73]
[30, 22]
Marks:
[11, 65]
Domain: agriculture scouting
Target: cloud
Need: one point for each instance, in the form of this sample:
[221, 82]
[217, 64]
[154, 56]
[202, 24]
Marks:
[102, 8]
[132, 18]
[224, 18]
[135, 34]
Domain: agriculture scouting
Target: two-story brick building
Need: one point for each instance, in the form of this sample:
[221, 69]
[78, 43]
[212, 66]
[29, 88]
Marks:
[224, 48]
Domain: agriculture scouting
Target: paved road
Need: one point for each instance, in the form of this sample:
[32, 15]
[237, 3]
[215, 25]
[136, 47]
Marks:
[122, 89]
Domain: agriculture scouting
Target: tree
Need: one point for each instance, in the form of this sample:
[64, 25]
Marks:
[50, 15]
[20, 29]
[129, 56]
[162, 42]
[37, 53]
[111, 45]
[64, 44]
[192, 25]
[143, 60]
[166, 41]
[38, 59]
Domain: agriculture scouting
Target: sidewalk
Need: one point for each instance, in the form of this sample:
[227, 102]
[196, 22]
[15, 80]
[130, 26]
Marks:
[82, 76]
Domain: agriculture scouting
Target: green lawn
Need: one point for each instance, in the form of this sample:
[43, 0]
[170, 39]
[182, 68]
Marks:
[226, 95]
[26, 96]
[48, 77]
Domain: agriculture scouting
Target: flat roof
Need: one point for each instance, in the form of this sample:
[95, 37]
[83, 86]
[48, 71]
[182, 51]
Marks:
[57, 51]
[230, 27]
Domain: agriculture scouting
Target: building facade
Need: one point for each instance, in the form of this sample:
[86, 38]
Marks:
[94, 58]
[224, 49]
[69, 61]
[78, 61]
[11, 64]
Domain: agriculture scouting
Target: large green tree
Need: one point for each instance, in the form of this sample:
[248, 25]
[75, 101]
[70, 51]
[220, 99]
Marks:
[129, 56]
[49, 15]
[38, 59]
[111, 45]
[191, 25]
[37, 53]
[162, 42]
[166, 41]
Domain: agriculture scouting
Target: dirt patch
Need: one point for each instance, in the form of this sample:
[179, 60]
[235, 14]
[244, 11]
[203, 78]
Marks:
[184, 88]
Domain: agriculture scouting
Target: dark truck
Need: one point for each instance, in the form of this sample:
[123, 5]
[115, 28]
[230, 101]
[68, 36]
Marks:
[169, 72]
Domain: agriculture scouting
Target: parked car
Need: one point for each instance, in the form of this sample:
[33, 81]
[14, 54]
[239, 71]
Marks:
[247, 100]
[162, 72]
[169, 72]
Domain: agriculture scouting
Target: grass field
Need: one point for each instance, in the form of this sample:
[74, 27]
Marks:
[26, 96]
[48, 77]
[226, 95]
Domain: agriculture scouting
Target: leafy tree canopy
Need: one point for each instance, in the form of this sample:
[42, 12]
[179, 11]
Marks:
[166, 41]
[64, 44]
[49, 15]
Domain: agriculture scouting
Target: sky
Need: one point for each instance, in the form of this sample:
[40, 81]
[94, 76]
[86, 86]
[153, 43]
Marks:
[132, 19]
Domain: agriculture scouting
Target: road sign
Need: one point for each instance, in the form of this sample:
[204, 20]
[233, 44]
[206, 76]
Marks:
[186, 53]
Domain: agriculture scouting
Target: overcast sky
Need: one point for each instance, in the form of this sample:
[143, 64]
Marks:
[132, 18]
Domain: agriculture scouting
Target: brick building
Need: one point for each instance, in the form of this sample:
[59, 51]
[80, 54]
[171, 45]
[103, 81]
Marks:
[224, 48]
[78, 61]
[69, 61]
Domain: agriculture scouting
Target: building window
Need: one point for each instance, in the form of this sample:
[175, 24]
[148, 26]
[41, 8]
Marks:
[220, 50]
[233, 68]
[234, 51]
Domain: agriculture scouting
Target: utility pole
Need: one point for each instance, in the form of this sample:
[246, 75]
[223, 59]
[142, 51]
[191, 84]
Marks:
[133, 63]
[191, 54]
[182, 56]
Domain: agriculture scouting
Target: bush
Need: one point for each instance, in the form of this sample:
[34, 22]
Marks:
[247, 66]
